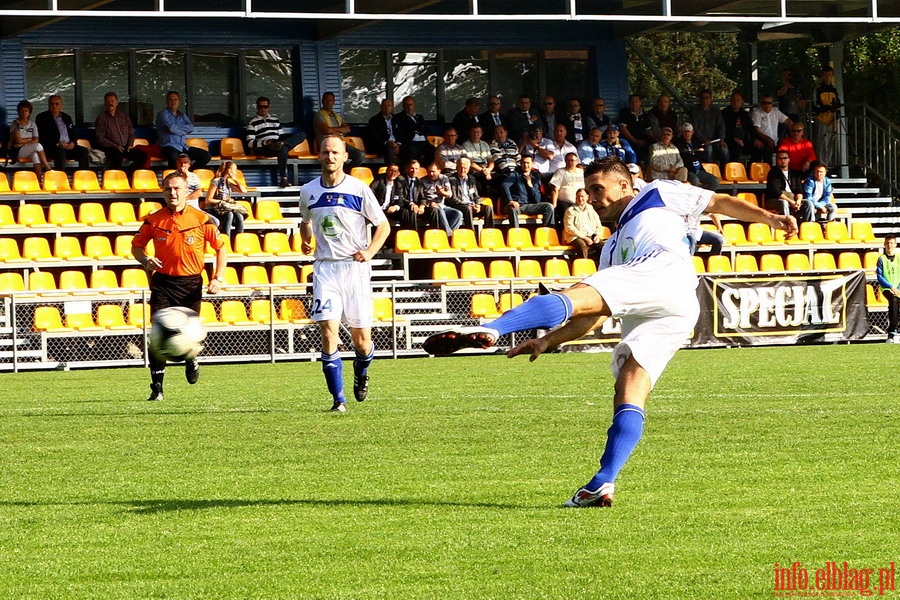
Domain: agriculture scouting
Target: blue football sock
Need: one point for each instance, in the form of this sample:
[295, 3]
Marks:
[333, 369]
[621, 438]
[544, 312]
[362, 361]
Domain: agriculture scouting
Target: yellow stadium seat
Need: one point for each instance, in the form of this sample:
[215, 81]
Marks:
[85, 180]
[92, 213]
[57, 182]
[294, 311]
[382, 309]
[11, 282]
[718, 264]
[306, 273]
[254, 275]
[37, 249]
[122, 246]
[713, 169]
[797, 262]
[146, 208]
[270, 212]
[529, 268]
[509, 301]
[557, 268]
[73, 281]
[519, 238]
[759, 233]
[195, 142]
[823, 261]
[232, 148]
[870, 260]
[849, 260]
[262, 311]
[501, 269]
[735, 235]
[47, 318]
[205, 176]
[145, 180]
[771, 262]
[748, 197]
[472, 270]
[7, 220]
[548, 239]
[284, 275]
[103, 279]
[230, 276]
[62, 214]
[208, 315]
[862, 232]
[109, 316]
[444, 271]
[81, 322]
[735, 172]
[41, 281]
[247, 244]
[68, 248]
[810, 233]
[699, 265]
[435, 140]
[836, 232]
[98, 247]
[759, 171]
[492, 239]
[233, 312]
[9, 251]
[122, 213]
[745, 263]
[139, 314]
[582, 267]
[278, 243]
[32, 215]
[364, 174]
[4, 185]
[115, 180]
[874, 298]
[26, 182]
[407, 240]
[297, 244]
[483, 306]
[301, 150]
[436, 240]
[357, 142]
[464, 240]
[135, 278]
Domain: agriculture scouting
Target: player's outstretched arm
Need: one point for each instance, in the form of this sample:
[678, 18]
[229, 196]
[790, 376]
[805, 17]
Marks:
[572, 330]
[744, 211]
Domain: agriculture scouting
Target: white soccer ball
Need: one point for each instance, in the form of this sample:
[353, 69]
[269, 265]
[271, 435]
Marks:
[177, 334]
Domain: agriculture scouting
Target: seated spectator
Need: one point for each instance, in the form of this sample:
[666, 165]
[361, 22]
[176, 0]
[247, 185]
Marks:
[114, 134]
[564, 184]
[818, 190]
[661, 116]
[394, 197]
[409, 180]
[704, 237]
[549, 116]
[265, 137]
[479, 153]
[635, 126]
[411, 132]
[467, 118]
[637, 182]
[596, 117]
[506, 158]
[709, 129]
[433, 191]
[446, 155]
[738, 127]
[582, 227]
[56, 134]
[799, 149]
[784, 190]
[575, 123]
[172, 129]
[194, 191]
[219, 201]
[328, 122]
[522, 195]
[520, 120]
[591, 149]
[23, 137]
[491, 118]
[766, 120]
[382, 133]
[693, 159]
[614, 145]
[665, 159]
[465, 198]
[549, 154]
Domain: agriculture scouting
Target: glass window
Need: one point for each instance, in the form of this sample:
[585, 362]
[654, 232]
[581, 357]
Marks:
[103, 72]
[516, 73]
[415, 74]
[465, 76]
[49, 72]
[158, 72]
[363, 82]
[568, 75]
[214, 97]
[269, 73]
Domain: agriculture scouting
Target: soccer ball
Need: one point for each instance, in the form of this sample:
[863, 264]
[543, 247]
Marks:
[177, 334]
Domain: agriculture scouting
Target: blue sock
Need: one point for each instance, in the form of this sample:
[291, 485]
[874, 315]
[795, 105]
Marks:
[544, 312]
[333, 369]
[362, 361]
[621, 438]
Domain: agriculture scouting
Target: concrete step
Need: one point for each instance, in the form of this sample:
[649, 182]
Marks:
[862, 201]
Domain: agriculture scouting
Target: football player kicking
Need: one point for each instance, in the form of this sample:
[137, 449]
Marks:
[336, 208]
[646, 279]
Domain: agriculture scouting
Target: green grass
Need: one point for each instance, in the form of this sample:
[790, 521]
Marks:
[447, 482]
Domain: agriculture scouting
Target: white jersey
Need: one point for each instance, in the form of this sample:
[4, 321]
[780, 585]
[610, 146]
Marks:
[338, 216]
[661, 218]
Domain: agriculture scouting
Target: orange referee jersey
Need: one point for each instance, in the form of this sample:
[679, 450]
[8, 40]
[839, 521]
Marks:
[179, 239]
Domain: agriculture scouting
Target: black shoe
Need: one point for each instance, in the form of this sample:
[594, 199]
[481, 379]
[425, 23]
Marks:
[284, 183]
[156, 394]
[448, 342]
[340, 407]
[360, 387]
[192, 371]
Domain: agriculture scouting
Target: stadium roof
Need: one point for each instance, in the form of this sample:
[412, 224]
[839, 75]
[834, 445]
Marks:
[823, 20]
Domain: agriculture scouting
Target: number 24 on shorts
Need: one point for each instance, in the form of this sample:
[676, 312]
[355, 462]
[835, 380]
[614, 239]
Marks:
[320, 307]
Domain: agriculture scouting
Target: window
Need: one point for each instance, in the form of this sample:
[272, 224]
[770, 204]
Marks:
[215, 87]
[415, 74]
[515, 74]
[566, 75]
[48, 73]
[269, 73]
[103, 72]
[363, 81]
[465, 76]
[160, 71]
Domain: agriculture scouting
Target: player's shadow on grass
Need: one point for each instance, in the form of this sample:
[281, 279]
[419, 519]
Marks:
[146, 507]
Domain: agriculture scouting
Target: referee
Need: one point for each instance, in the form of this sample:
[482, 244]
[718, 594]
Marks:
[179, 233]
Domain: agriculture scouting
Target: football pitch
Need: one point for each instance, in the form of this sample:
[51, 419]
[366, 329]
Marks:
[447, 483]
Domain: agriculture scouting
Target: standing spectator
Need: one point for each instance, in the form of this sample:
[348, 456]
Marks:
[799, 148]
[827, 105]
[465, 198]
[693, 159]
[661, 116]
[491, 118]
[635, 126]
[433, 192]
[220, 203]
[709, 129]
[818, 190]
[446, 155]
[265, 137]
[575, 123]
[522, 195]
[582, 227]
[172, 129]
[180, 234]
[887, 273]
[383, 133]
[784, 190]
[738, 127]
[115, 136]
[520, 119]
[342, 272]
[596, 117]
[57, 135]
[766, 121]
[411, 133]
[563, 185]
[24, 138]
[614, 145]
[328, 122]
[665, 159]
[790, 98]
[394, 197]
[467, 118]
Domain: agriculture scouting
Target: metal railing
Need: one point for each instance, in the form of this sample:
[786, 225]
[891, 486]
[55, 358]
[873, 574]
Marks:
[873, 144]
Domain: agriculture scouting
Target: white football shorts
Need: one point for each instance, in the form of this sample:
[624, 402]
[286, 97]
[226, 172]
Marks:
[656, 301]
[342, 291]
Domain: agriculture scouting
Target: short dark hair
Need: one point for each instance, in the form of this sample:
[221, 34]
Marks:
[110, 95]
[25, 104]
[890, 236]
[263, 99]
[609, 165]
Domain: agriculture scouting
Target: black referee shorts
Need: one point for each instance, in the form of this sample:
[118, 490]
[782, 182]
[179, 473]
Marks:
[174, 290]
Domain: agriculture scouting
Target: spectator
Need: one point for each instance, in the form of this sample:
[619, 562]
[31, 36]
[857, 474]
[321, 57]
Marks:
[549, 154]
[467, 118]
[479, 152]
[465, 198]
[766, 120]
[575, 123]
[383, 133]
[563, 185]
[172, 128]
[506, 158]
[693, 159]
[799, 148]
[265, 137]
[635, 126]
[614, 145]
[194, 190]
[784, 190]
[219, 202]
[709, 129]
[591, 149]
[115, 136]
[887, 274]
[738, 127]
[520, 120]
[409, 181]
[597, 117]
[328, 122]
[491, 118]
[661, 116]
[394, 197]
[522, 195]
[433, 192]
[57, 135]
[582, 227]
[704, 237]
[25, 141]
[411, 131]
[790, 98]
[549, 115]
[827, 105]
[818, 190]
[446, 155]
[665, 159]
